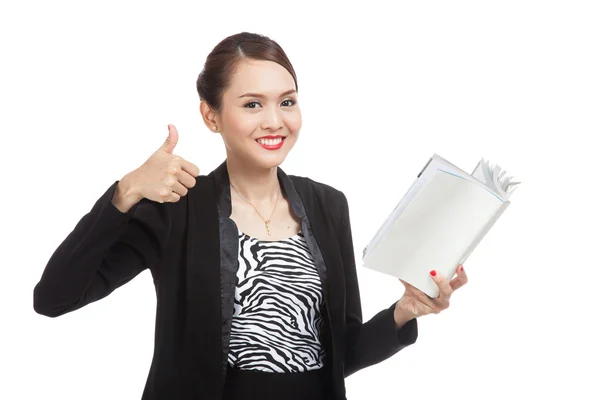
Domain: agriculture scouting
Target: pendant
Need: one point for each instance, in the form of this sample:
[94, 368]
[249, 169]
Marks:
[267, 227]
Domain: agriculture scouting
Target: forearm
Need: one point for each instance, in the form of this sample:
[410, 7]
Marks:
[106, 248]
[377, 340]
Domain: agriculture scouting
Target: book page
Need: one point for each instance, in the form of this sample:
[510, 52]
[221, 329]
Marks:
[493, 176]
[487, 182]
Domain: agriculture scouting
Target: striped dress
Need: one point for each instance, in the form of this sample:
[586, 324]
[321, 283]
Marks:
[277, 319]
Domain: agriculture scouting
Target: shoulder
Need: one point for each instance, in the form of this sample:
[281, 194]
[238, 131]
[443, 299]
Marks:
[331, 202]
[205, 180]
[322, 191]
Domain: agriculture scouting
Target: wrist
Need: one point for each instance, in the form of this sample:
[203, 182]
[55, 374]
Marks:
[401, 316]
[125, 196]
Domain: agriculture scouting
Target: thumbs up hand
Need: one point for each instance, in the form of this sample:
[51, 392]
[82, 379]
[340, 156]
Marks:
[164, 177]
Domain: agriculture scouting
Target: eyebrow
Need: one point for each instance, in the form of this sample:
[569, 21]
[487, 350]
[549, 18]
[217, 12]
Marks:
[262, 96]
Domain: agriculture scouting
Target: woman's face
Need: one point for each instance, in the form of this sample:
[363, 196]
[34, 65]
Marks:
[260, 118]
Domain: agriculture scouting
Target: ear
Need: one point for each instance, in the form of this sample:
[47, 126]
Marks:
[211, 118]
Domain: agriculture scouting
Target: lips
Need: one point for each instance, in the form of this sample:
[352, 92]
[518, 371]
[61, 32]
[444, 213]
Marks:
[270, 142]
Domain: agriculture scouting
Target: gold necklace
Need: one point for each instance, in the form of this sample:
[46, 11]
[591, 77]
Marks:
[266, 221]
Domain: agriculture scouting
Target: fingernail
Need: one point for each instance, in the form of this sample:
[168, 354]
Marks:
[461, 268]
[432, 272]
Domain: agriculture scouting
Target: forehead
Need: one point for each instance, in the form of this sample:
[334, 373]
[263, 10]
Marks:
[259, 76]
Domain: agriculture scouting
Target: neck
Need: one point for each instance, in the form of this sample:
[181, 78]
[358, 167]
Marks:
[256, 185]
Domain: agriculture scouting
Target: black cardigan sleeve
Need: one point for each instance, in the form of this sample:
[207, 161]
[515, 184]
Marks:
[106, 249]
[377, 339]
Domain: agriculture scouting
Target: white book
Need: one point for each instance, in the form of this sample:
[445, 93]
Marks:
[438, 223]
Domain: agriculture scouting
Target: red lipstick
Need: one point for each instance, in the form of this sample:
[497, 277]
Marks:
[273, 142]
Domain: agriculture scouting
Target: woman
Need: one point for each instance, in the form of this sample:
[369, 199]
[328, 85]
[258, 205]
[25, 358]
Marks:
[257, 294]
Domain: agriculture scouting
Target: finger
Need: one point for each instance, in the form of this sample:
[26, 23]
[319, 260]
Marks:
[416, 293]
[171, 141]
[422, 300]
[186, 179]
[190, 168]
[461, 278]
[179, 189]
[442, 283]
[173, 198]
[173, 185]
[169, 196]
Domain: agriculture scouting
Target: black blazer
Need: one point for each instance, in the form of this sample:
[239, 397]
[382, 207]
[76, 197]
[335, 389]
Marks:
[190, 247]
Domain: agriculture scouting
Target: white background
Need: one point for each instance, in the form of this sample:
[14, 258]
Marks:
[87, 91]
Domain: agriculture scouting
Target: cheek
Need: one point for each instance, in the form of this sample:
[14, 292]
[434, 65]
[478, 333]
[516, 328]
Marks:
[241, 124]
[294, 121]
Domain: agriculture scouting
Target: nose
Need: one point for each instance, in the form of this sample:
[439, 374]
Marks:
[273, 119]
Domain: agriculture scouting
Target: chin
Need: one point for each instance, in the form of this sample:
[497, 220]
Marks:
[272, 158]
[255, 156]
[270, 161]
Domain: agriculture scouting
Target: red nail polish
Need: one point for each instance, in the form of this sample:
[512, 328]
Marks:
[432, 272]
[462, 269]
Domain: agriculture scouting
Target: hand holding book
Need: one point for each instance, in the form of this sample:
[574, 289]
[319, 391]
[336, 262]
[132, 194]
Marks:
[414, 303]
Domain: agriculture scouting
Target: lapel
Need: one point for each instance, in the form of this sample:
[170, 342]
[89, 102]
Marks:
[198, 371]
[212, 262]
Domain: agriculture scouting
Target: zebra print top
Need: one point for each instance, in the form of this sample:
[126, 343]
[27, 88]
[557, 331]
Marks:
[277, 319]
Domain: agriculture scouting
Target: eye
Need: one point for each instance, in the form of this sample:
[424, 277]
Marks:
[252, 102]
[292, 102]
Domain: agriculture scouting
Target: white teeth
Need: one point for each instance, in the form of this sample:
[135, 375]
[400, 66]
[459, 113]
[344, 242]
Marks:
[270, 142]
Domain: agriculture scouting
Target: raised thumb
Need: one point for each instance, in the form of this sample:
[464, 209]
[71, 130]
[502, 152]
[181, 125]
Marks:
[171, 141]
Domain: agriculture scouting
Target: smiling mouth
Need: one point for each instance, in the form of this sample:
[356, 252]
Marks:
[271, 143]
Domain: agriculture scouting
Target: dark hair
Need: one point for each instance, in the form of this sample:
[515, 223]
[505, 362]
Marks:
[224, 58]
